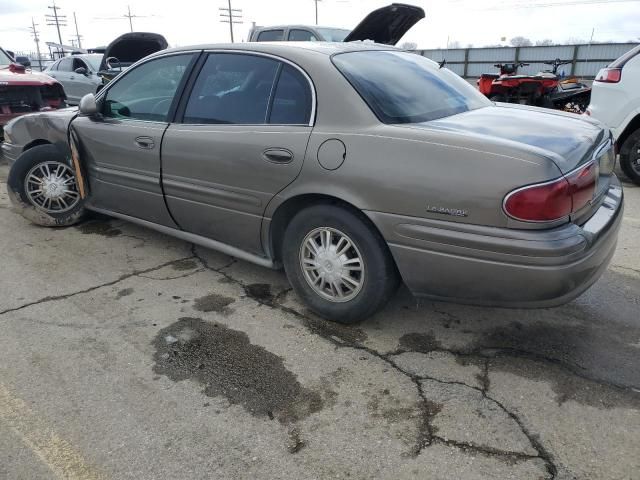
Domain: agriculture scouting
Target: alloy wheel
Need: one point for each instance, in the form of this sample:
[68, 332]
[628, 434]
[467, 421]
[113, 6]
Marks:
[332, 264]
[51, 187]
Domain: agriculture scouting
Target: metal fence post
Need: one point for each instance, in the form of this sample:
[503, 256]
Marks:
[466, 63]
[575, 59]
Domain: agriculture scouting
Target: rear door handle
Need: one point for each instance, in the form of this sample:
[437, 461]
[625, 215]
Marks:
[277, 155]
[145, 142]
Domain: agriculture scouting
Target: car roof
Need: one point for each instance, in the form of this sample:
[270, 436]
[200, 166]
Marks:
[280, 48]
[313, 27]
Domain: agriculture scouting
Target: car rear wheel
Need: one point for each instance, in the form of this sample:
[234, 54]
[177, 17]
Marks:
[338, 264]
[630, 157]
[42, 187]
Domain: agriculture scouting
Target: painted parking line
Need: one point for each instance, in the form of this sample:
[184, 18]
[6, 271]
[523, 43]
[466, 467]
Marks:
[56, 453]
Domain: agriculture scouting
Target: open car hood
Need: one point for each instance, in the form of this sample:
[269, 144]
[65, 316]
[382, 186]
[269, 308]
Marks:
[387, 25]
[131, 47]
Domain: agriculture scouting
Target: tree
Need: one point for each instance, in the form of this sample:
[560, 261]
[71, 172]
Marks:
[454, 44]
[409, 46]
[547, 42]
[521, 42]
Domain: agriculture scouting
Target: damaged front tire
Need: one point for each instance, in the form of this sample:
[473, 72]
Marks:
[42, 188]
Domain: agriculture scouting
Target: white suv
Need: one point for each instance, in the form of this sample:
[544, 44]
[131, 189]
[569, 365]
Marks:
[615, 100]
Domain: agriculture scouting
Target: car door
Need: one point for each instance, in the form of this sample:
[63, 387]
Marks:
[82, 83]
[241, 138]
[120, 148]
[62, 73]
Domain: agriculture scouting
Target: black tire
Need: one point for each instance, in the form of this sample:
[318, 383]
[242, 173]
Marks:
[498, 98]
[630, 157]
[23, 203]
[379, 279]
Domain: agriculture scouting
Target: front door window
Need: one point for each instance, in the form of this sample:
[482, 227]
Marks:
[146, 93]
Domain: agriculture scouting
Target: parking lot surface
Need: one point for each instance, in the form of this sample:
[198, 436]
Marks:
[126, 354]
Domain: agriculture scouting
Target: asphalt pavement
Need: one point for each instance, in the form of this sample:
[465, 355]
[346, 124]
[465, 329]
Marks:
[127, 354]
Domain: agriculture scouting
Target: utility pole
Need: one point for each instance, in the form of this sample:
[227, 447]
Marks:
[316, 2]
[230, 15]
[129, 16]
[78, 36]
[56, 20]
[36, 39]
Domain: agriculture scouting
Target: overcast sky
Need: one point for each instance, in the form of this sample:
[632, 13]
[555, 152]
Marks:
[185, 22]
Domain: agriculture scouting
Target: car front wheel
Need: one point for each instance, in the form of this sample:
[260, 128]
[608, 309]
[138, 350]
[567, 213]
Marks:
[42, 187]
[630, 157]
[338, 263]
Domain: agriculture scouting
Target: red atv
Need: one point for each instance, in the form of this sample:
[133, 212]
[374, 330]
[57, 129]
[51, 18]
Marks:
[510, 87]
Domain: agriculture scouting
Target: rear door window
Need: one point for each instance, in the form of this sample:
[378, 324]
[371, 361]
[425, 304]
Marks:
[271, 36]
[232, 89]
[302, 36]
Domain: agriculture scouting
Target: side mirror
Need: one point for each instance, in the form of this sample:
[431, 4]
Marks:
[88, 105]
[81, 71]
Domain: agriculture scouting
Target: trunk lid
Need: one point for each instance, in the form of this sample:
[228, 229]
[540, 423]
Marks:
[387, 25]
[571, 142]
[566, 139]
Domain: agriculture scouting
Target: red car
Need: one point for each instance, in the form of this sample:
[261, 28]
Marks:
[22, 92]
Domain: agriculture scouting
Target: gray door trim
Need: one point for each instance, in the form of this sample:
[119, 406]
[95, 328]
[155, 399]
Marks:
[193, 238]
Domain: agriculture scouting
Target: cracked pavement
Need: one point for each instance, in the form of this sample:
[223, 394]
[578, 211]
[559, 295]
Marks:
[129, 354]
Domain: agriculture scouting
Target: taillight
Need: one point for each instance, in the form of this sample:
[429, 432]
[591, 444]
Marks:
[546, 202]
[609, 75]
[583, 185]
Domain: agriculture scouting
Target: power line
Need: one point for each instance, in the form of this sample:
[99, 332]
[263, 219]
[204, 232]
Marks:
[129, 16]
[230, 15]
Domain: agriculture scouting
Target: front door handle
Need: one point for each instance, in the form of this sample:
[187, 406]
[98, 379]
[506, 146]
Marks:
[145, 142]
[277, 155]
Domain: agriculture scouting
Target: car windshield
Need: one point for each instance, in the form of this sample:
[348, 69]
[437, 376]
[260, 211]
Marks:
[94, 61]
[333, 34]
[5, 60]
[402, 87]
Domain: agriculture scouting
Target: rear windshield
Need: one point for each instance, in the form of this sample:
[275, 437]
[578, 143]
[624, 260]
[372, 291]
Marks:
[619, 63]
[402, 87]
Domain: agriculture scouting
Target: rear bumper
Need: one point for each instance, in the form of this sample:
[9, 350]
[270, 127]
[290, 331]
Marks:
[503, 267]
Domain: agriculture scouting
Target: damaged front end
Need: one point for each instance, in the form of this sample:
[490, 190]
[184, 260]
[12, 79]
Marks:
[16, 100]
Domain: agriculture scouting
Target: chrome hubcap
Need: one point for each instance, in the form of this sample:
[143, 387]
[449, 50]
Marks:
[51, 186]
[332, 264]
